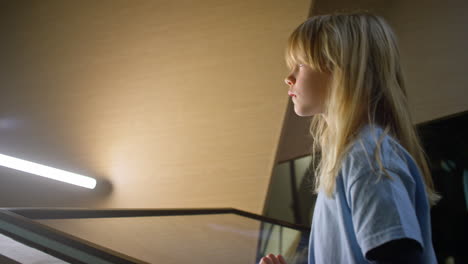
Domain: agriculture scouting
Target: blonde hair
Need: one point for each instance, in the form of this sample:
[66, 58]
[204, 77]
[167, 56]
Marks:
[360, 52]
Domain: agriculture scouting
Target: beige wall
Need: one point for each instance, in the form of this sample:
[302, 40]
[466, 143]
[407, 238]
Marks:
[178, 104]
[181, 104]
[433, 40]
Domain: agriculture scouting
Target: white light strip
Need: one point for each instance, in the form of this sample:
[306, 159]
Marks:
[48, 172]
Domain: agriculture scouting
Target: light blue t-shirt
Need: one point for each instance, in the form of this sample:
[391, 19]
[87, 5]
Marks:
[363, 214]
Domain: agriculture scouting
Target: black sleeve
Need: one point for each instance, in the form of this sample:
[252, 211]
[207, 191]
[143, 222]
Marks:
[399, 251]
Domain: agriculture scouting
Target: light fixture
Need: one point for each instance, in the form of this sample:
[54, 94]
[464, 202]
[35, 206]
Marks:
[48, 172]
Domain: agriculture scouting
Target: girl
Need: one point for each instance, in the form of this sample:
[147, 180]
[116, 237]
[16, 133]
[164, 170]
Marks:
[373, 185]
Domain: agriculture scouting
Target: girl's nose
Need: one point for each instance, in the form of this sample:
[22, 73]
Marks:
[288, 81]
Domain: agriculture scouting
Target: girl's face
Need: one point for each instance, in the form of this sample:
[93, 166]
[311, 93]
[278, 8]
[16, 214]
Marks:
[308, 88]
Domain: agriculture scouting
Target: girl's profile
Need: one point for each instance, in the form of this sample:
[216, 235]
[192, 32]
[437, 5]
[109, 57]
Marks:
[373, 184]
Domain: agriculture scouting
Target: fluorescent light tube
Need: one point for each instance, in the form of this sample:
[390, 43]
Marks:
[48, 172]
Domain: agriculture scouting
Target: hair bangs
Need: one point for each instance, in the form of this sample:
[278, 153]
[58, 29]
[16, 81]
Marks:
[305, 46]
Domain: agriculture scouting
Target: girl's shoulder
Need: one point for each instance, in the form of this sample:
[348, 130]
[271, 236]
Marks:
[373, 147]
[373, 138]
